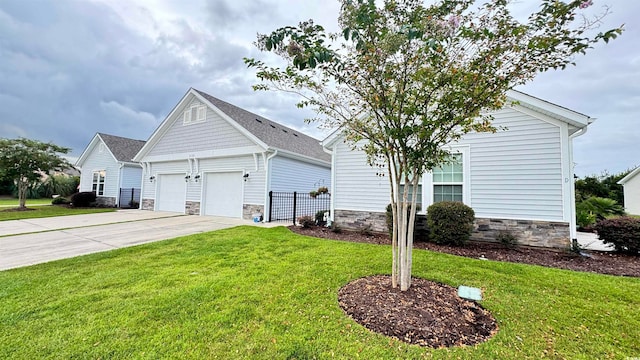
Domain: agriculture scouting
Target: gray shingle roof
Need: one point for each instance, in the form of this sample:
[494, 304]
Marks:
[124, 149]
[275, 135]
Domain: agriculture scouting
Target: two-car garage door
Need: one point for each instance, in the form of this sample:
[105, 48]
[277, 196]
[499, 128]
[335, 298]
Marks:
[221, 196]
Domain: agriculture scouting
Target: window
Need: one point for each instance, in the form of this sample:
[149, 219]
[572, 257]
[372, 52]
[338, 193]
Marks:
[196, 113]
[448, 180]
[98, 182]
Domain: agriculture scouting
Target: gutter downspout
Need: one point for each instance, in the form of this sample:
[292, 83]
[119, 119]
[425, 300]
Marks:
[119, 183]
[267, 182]
[573, 232]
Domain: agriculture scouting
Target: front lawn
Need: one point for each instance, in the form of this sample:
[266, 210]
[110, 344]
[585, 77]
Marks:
[259, 293]
[8, 202]
[46, 211]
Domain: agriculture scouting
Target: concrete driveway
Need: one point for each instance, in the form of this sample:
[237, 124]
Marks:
[34, 241]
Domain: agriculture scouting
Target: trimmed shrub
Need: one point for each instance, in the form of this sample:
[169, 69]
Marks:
[450, 223]
[507, 239]
[623, 232]
[306, 221]
[83, 199]
[60, 201]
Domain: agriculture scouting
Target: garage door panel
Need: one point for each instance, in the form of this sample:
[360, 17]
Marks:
[171, 193]
[223, 194]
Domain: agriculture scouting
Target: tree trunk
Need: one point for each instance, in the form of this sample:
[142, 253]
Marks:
[22, 193]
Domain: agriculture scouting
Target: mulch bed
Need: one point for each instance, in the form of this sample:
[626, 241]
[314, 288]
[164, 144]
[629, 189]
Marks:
[428, 314]
[600, 262]
[431, 314]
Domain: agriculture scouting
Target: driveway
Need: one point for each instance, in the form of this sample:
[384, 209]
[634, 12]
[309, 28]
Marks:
[34, 241]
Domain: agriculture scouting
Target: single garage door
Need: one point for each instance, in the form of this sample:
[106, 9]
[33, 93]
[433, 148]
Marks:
[223, 194]
[171, 193]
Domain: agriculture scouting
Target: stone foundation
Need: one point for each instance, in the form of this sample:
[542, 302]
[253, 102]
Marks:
[528, 232]
[148, 204]
[192, 208]
[104, 201]
[249, 209]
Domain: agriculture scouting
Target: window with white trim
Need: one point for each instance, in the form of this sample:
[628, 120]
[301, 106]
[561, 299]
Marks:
[448, 180]
[194, 114]
[98, 182]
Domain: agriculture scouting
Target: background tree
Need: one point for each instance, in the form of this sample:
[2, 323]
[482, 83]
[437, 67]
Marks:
[409, 79]
[25, 161]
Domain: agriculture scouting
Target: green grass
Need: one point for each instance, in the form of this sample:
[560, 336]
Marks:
[258, 293]
[6, 202]
[47, 211]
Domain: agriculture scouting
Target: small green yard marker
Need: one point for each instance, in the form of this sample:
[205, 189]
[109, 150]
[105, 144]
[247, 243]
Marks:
[469, 293]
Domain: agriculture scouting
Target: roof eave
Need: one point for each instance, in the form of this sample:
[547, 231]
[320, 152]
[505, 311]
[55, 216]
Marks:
[629, 176]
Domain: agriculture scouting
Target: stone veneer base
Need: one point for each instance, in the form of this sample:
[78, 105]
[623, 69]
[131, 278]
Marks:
[106, 201]
[528, 232]
[249, 209]
[148, 204]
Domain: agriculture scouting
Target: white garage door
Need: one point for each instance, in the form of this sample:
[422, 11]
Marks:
[171, 193]
[223, 194]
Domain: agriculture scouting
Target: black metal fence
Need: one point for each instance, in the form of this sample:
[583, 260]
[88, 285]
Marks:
[289, 206]
[129, 198]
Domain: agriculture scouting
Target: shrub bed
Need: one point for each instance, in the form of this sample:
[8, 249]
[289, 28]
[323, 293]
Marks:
[623, 232]
[83, 199]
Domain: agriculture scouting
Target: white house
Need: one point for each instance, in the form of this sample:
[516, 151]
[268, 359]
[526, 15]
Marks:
[519, 179]
[210, 157]
[107, 169]
[631, 186]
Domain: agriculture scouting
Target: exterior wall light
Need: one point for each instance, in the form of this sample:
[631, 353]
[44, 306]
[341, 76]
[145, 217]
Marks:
[151, 178]
[186, 178]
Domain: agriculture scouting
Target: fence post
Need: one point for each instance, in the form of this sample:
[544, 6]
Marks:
[295, 197]
[270, 204]
[131, 201]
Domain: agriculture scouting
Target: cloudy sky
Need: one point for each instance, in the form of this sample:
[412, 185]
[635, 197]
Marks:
[71, 68]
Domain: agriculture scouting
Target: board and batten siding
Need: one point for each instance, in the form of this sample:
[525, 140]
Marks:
[213, 133]
[97, 160]
[514, 173]
[131, 177]
[517, 173]
[168, 167]
[253, 190]
[289, 175]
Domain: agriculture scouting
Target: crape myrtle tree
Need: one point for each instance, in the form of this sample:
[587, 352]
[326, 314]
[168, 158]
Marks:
[25, 161]
[402, 79]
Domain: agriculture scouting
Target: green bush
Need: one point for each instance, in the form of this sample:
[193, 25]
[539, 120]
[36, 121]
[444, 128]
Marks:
[508, 239]
[602, 208]
[306, 221]
[623, 232]
[60, 201]
[450, 223]
[83, 199]
[320, 217]
[584, 218]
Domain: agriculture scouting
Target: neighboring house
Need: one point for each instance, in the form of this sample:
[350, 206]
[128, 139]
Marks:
[107, 169]
[209, 157]
[519, 179]
[631, 185]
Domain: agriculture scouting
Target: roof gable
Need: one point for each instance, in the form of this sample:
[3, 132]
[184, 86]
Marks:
[123, 149]
[629, 176]
[265, 133]
[273, 134]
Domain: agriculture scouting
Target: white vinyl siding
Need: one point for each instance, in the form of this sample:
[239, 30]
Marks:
[97, 161]
[517, 173]
[294, 175]
[357, 187]
[131, 177]
[632, 195]
[513, 174]
[210, 134]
